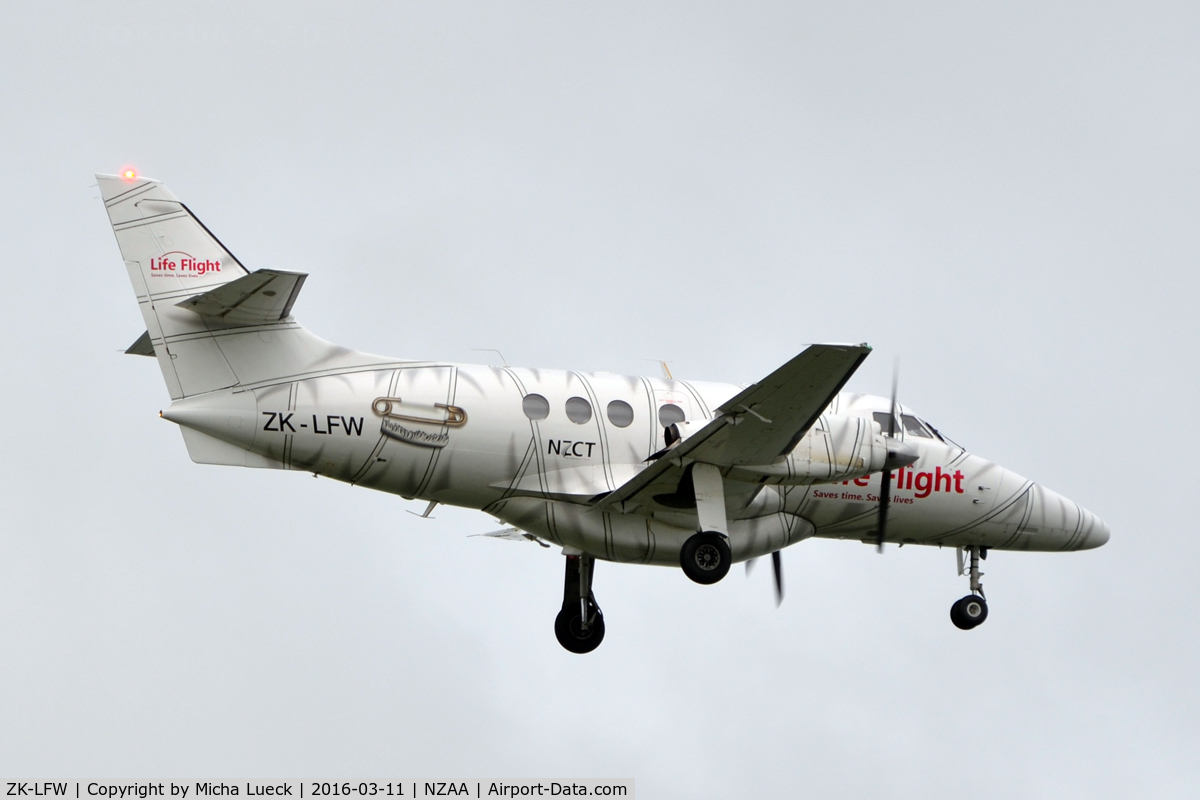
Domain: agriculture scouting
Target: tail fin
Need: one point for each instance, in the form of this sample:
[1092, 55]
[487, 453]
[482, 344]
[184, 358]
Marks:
[171, 256]
[211, 323]
[176, 254]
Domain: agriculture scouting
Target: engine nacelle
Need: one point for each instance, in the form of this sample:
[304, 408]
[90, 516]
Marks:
[837, 448]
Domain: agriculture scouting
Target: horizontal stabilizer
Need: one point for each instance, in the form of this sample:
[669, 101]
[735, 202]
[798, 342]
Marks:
[512, 535]
[263, 296]
[142, 347]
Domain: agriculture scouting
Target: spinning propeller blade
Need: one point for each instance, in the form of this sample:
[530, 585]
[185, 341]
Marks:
[885, 489]
[777, 569]
[777, 566]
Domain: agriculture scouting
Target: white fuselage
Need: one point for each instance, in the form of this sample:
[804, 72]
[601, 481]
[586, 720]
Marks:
[533, 447]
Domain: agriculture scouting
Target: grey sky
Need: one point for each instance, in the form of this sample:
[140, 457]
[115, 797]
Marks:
[1004, 196]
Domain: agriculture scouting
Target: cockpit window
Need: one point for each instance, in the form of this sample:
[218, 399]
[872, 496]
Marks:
[907, 425]
[882, 417]
[944, 437]
[914, 427]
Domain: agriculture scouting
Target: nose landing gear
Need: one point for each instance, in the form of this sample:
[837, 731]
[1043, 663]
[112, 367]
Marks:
[580, 625]
[968, 612]
[971, 610]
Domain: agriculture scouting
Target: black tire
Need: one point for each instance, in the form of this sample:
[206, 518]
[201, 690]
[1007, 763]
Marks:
[568, 627]
[969, 612]
[705, 557]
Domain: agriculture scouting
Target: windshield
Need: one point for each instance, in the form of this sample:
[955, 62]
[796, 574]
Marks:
[914, 427]
[909, 425]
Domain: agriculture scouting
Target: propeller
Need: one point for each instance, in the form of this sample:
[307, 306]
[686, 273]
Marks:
[899, 454]
[885, 489]
[777, 569]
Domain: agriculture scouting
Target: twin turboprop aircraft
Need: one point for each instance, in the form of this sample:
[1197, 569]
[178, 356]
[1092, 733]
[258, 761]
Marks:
[627, 469]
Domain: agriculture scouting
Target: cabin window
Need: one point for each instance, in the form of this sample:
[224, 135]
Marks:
[669, 414]
[535, 406]
[620, 413]
[579, 410]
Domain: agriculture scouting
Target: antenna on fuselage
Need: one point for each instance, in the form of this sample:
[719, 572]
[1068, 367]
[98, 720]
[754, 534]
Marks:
[666, 370]
[503, 360]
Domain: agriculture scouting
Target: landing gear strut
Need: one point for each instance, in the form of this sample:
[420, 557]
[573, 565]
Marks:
[971, 610]
[580, 625]
[705, 556]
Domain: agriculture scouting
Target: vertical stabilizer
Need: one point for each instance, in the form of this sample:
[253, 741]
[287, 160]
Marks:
[171, 256]
[211, 324]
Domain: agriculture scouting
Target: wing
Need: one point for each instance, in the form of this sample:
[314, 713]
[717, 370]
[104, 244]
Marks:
[759, 425]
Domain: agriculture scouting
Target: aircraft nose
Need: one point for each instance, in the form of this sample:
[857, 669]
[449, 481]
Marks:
[1081, 529]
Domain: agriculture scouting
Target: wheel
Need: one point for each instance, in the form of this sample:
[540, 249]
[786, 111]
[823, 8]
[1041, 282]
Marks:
[705, 557]
[969, 612]
[568, 627]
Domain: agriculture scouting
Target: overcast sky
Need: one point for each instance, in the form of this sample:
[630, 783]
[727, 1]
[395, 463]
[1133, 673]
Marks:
[1004, 196]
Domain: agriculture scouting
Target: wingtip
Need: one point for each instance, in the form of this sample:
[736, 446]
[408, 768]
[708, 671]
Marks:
[844, 345]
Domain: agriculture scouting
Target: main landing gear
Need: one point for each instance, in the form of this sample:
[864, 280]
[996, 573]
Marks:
[971, 610]
[705, 557]
[580, 625]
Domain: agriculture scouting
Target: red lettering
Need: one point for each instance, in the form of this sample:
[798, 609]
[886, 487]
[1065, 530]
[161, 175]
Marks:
[185, 263]
[861, 481]
[937, 479]
[958, 478]
[924, 484]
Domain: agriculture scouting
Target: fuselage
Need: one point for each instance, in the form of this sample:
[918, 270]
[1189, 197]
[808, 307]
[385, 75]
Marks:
[535, 448]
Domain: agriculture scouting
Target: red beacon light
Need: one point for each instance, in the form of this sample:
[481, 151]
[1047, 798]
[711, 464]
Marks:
[129, 174]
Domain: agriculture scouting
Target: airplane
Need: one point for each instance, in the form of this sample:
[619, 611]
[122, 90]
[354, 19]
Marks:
[638, 470]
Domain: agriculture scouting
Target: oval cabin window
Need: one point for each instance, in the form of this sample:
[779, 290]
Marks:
[579, 410]
[535, 406]
[669, 414]
[620, 413]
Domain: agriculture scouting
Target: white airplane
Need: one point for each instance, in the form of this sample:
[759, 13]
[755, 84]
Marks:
[611, 467]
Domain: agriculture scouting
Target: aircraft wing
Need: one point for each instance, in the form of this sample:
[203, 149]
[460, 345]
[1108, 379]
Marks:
[759, 425]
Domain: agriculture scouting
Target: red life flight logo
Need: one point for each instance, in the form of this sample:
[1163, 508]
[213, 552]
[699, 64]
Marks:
[182, 265]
